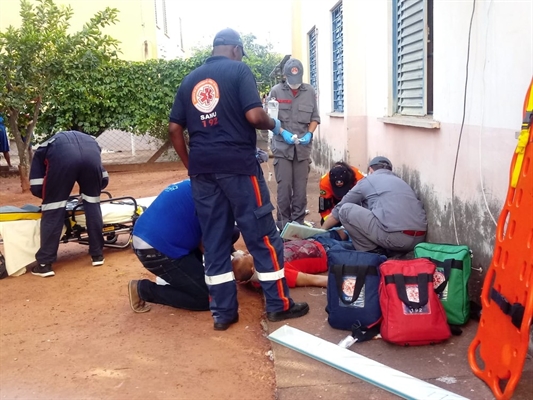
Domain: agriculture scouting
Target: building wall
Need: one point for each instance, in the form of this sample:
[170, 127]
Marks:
[499, 72]
[140, 38]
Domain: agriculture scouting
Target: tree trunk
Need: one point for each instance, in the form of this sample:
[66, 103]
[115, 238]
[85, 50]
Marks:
[25, 154]
[24, 177]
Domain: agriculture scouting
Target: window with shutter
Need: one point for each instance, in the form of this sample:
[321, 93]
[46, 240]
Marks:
[413, 52]
[338, 59]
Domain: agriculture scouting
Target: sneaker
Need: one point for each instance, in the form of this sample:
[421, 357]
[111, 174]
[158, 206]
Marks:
[222, 326]
[43, 270]
[297, 310]
[98, 260]
[137, 304]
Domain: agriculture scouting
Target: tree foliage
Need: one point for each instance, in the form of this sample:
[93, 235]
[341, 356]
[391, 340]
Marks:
[133, 96]
[262, 61]
[52, 80]
[34, 54]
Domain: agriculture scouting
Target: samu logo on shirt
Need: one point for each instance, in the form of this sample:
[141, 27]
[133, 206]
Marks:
[205, 95]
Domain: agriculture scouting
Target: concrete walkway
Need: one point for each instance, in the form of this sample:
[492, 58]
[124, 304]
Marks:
[300, 377]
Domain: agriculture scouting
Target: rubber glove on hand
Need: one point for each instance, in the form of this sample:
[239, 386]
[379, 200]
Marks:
[287, 136]
[306, 138]
[277, 126]
[261, 155]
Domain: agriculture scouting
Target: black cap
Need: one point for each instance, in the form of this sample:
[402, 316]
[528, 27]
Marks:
[342, 179]
[228, 37]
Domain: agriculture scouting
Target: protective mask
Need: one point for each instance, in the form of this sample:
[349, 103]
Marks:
[295, 86]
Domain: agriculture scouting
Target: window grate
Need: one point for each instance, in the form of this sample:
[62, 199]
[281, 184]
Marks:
[165, 25]
[411, 69]
[338, 59]
[313, 77]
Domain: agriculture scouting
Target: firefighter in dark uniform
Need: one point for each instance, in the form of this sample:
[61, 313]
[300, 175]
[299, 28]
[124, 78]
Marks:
[64, 159]
[334, 185]
[218, 103]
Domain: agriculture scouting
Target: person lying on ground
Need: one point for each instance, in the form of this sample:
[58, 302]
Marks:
[302, 259]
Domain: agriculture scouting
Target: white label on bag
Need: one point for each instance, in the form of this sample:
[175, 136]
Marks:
[347, 292]
[413, 295]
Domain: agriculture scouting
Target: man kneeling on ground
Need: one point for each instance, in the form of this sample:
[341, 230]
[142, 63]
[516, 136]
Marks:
[167, 241]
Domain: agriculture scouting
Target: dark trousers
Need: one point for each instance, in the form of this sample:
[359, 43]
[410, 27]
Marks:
[60, 178]
[220, 200]
[186, 288]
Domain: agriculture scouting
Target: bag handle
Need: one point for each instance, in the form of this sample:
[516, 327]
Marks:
[447, 266]
[422, 280]
[361, 273]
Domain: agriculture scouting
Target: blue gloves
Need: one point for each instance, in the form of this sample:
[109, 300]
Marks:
[261, 155]
[277, 126]
[307, 138]
[287, 136]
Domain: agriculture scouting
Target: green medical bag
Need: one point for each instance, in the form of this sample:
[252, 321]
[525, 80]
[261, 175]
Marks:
[454, 265]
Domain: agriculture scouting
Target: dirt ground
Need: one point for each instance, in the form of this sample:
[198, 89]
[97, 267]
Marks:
[75, 336]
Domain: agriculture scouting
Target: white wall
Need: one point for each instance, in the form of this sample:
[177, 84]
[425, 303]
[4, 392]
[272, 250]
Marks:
[499, 73]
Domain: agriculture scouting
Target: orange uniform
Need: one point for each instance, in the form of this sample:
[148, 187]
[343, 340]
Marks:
[331, 193]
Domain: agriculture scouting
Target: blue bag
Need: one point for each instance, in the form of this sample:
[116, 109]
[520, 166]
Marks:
[352, 292]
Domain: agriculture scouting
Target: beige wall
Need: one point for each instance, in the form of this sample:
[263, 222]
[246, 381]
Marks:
[135, 30]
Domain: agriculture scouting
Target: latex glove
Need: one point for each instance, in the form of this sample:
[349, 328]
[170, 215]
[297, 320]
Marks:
[306, 138]
[287, 136]
[261, 155]
[277, 126]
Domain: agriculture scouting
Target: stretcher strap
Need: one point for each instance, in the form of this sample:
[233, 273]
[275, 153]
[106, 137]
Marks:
[515, 310]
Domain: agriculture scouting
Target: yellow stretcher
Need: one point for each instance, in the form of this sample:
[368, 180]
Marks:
[20, 228]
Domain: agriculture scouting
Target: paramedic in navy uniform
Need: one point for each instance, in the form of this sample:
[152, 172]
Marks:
[64, 159]
[218, 103]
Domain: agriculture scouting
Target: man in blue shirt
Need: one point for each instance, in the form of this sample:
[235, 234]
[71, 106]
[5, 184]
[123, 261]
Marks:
[218, 103]
[167, 240]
